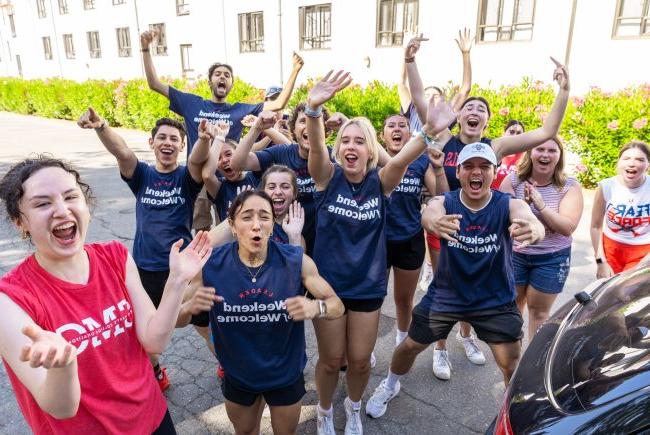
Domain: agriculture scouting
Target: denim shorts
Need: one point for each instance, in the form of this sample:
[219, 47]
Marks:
[546, 272]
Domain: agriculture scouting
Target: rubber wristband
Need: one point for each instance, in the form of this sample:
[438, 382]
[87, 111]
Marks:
[409, 59]
[145, 50]
[101, 127]
[313, 113]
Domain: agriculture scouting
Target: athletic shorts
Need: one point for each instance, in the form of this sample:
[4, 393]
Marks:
[154, 284]
[433, 241]
[166, 426]
[406, 254]
[546, 272]
[284, 396]
[362, 305]
[621, 256]
[495, 325]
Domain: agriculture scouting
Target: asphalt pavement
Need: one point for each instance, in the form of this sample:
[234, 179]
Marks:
[465, 404]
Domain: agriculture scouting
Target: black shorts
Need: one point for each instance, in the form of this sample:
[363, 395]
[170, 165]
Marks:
[154, 283]
[166, 426]
[495, 325]
[362, 305]
[284, 396]
[406, 254]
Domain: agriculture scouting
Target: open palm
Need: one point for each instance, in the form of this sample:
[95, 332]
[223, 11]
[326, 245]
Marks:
[325, 89]
[187, 263]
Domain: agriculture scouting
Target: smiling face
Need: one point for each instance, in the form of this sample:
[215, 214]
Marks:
[223, 164]
[220, 82]
[55, 213]
[395, 133]
[300, 132]
[545, 158]
[473, 118]
[167, 144]
[476, 176]
[279, 186]
[253, 225]
[632, 167]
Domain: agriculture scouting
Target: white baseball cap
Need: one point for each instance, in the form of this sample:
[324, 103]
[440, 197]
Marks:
[477, 149]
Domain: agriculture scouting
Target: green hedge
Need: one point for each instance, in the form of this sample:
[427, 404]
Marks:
[596, 126]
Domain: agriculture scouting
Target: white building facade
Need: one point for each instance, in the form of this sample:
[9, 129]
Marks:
[606, 43]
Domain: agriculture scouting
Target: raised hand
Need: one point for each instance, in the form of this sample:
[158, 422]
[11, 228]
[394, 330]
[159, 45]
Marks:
[561, 75]
[48, 349]
[248, 120]
[147, 37]
[464, 40]
[325, 89]
[294, 220]
[282, 126]
[523, 232]
[301, 308]
[90, 119]
[266, 120]
[297, 61]
[439, 115]
[532, 195]
[447, 225]
[413, 46]
[335, 121]
[202, 299]
[221, 129]
[185, 264]
[206, 130]
[436, 157]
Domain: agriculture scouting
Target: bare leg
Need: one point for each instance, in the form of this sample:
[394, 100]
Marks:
[331, 338]
[245, 419]
[285, 419]
[404, 284]
[361, 336]
[405, 354]
[539, 307]
[506, 356]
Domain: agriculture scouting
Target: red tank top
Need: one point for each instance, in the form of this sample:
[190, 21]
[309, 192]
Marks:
[118, 390]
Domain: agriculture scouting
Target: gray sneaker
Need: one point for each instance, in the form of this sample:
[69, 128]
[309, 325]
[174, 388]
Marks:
[441, 364]
[378, 402]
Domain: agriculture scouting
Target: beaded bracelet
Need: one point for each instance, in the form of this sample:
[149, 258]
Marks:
[313, 113]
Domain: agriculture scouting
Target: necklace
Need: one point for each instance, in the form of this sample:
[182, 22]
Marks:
[254, 275]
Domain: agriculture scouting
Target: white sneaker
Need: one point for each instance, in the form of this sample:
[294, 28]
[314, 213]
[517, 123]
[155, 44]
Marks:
[373, 360]
[353, 423]
[441, 364]
[427, 277]
[325, 423]
[473, 352]
[378, 402]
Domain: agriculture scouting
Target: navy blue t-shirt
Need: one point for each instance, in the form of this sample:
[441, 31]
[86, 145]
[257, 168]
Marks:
[279, 235]
[229, 191]
[476, 273]
[163, 213]
[193, 108]
[259, 346]
[451, 150]
[403, 217]
[350, 247]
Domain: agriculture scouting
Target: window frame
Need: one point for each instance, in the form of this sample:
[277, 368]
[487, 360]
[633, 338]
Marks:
[123, 51]
[251, 45]
[69, 47]
[12, 24]
[159, 43]
[480, 27]
[324, 40]
[380, 32]
[40, 9]
[182, 8]
[89, 5]
[63, 7]
[618, 19]
[47, 47]
[119, 2]
[185, 69]
[95, 53]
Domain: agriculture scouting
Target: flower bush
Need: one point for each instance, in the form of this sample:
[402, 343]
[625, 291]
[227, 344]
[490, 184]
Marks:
[595, 127]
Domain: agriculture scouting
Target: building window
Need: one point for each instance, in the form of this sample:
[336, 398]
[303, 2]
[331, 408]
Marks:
[123, 42]
[315, 26]
[47, 48]
[185, 58]
[93, 45]
[394, 18]
[251, 32]
[40, 8]
[118, 2]
[12, 25]
[182, 7]
[68, 45]
[632, 19]
[63, 7]
[506, 20]
[159, 44]
[89, 4]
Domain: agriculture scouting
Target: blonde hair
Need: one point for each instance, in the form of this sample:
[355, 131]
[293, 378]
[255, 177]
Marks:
[525, 166]
[369, 134]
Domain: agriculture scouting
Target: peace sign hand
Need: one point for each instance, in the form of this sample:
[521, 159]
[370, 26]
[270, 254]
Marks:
[48, 349]
[325, 89]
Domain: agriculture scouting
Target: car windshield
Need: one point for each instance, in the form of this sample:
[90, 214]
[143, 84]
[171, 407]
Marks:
[603, 352]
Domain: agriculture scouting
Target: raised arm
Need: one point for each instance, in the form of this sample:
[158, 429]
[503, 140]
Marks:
[320, 167]
[416, 88]
[146, 38]
[113, 142]
[201, 151]
[566, 219]
[282, 100]
[437, 159]
[464, 42]
[301, 308]
[243, 159]
[439, 116]
[154, 327]
[603, 270]
[403, 90]
[525, 228]
[44, 362]
[507, 145]
[218, 133]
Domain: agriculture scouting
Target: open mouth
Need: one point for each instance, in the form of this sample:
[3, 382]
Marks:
[65, 233]
[475, 185]
[543, 163]
[397, 137]
[631, 172]
[166, 151]
[279, 205]
[472, 122]
[351, 159]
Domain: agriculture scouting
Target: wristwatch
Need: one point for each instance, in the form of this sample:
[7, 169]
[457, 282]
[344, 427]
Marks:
[322, 308]
[599, 260]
